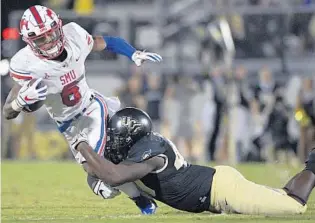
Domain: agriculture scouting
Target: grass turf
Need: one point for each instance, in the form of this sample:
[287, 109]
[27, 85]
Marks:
[57, 192]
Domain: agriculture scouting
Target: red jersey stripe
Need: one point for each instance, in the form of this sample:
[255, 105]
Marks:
[18, 76]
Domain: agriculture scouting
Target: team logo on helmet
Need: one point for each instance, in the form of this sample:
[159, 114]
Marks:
[23, 23]
[50, 13]
[132, 125]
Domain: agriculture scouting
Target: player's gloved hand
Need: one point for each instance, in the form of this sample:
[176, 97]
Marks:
[105, 191]
[29, 94]
[146, 205]
[80, 137]
[138, 57]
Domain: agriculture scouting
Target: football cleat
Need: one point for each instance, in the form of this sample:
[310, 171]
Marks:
[146, 205]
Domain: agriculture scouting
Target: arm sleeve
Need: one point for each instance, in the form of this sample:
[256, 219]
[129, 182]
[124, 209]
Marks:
[145, 151]
[119, 45]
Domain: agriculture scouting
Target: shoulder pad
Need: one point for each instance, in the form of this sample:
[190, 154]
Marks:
[73, 27]
[20, 65]
[145, 149]
[76, 32]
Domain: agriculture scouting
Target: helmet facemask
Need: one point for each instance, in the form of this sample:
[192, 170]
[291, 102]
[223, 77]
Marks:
[48, 45]
[117, 146]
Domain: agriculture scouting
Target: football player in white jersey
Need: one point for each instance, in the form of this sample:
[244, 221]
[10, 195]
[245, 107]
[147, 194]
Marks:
[54, 57]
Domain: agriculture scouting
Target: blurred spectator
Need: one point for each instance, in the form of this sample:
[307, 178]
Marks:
[264, 91]
[218, 85]
[131, 94]
[154, 96]
[264, 97]
[256, 133]
[278, 126]
[307, 98]
[305, 114]
[183, 90]
[241, 122]
[245, 94]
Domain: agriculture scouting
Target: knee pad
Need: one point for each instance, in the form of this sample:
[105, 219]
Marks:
[310, 162]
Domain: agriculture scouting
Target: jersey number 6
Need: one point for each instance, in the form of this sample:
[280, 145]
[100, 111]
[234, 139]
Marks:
[70, 94]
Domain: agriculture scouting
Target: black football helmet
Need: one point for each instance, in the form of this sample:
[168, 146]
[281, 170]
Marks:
[124, 129]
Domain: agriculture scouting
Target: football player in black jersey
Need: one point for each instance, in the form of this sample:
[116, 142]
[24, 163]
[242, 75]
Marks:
[136, 153]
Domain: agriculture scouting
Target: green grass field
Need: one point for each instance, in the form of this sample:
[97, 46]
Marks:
[57, 192]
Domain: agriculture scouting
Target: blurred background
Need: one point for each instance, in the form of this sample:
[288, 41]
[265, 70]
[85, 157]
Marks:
[236, 83]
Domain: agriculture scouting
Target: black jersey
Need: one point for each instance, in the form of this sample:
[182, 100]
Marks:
[177, 184]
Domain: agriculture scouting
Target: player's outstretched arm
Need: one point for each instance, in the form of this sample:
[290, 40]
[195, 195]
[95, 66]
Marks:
[120, 46]
[115, 175]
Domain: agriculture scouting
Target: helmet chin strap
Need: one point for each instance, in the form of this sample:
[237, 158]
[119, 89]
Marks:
[51, 53]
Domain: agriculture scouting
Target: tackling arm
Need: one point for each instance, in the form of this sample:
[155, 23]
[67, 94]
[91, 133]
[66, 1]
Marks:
[115, 175]
[8, 111]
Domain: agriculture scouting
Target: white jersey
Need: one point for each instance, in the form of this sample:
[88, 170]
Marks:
[68, 91]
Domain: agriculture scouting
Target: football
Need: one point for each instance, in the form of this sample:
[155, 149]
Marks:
[36, 105]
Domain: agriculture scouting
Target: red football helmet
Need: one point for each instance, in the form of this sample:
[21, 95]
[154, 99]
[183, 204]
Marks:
[41, 29]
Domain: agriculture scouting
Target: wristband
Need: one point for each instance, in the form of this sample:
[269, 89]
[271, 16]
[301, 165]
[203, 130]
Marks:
[16, 106]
